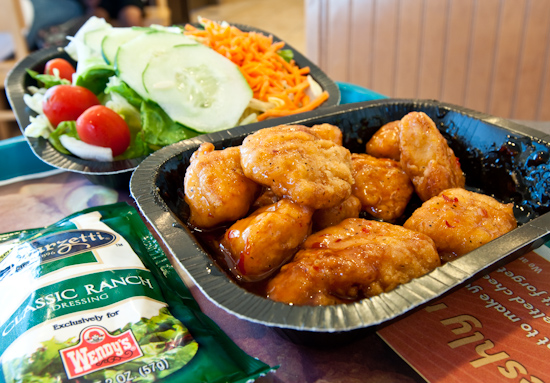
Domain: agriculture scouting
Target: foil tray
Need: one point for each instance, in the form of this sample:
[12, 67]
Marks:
[499, 157]
[114, 174]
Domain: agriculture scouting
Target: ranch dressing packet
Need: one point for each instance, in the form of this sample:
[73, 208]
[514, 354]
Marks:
[90, 299]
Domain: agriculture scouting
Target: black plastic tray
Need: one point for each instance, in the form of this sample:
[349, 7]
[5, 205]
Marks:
[117, 173]
[499, 158]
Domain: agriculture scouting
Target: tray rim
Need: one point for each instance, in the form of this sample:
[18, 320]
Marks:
[216, 286]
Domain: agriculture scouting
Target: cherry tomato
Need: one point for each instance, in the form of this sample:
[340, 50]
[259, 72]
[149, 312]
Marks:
[104, 127]
[64, 67]
[67, 102]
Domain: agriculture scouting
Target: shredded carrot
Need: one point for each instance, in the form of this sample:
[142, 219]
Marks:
[266, 71]
[276, 112]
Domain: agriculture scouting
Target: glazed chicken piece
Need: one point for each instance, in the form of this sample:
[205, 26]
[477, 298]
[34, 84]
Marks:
[259, 244]
[267, 197]
[298, 164]
[381, 185]
[216, 189]
[355, 259]
[426, 157]
[385, 142]
[329, 132]
[460, 221]
[324, 218]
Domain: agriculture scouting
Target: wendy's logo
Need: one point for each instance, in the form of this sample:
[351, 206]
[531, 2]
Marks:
[97, 349]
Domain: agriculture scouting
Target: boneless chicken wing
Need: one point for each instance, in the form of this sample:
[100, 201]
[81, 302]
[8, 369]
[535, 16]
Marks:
[257, 245]
[323, 218]
[216, 189]
[329, 132]
[267, 197]
[385, 142]
[298, 164]
[426, 157]
[381, 185]
[355, 259]
[460, 221]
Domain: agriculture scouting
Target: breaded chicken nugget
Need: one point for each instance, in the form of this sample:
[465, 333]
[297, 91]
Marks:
[385, 142]
[324, 218]
[298, 164]
[329, 132]
[215, 187]
[460, 221]
[426, 157]
[352, 260]
[267, 197]
[259, 244]
[381, 185]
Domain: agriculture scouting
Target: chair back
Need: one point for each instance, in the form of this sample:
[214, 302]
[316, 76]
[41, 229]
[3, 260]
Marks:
[12, 28]
[12, 24]
[488, 55]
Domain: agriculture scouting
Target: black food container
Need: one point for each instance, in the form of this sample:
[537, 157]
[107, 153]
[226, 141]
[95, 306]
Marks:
[499, 157]
[114, 174]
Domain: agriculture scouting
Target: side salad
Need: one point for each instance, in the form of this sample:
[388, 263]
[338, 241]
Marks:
[135, 90]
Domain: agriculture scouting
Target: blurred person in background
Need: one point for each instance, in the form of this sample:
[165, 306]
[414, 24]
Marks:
[121, 13]
[49, 22]
[46, 19]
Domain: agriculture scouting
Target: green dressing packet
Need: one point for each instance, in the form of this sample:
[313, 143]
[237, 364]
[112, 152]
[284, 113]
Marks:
[93, 298]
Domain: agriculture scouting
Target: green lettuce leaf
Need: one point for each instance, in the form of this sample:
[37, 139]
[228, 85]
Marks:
[47, 80]
[95, 77]
[286, 54]
[120, 87]
[157, 127]
[65, 127]
[160, 130]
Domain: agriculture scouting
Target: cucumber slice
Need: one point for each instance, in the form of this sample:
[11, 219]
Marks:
[198, 87]
[115, 38]
[77, 48]
[91, 70]
[94, 38]
[132, 57]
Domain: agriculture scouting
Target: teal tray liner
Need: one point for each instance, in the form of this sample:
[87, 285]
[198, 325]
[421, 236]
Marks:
[19, 159]
[350, 93]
